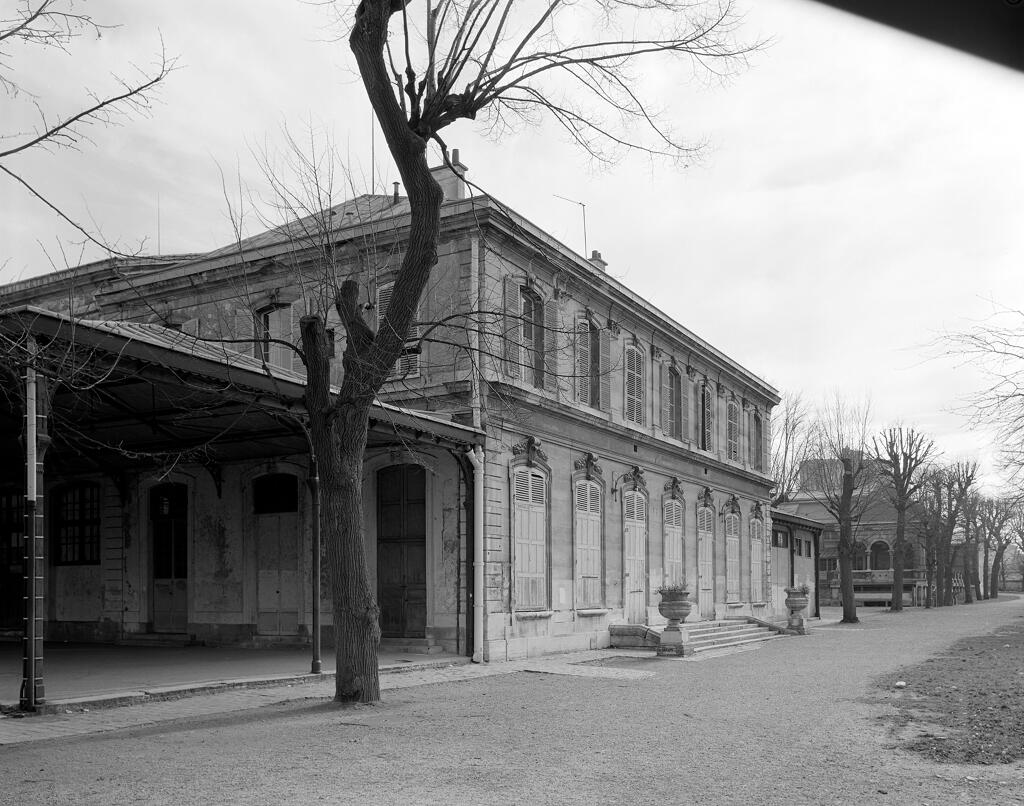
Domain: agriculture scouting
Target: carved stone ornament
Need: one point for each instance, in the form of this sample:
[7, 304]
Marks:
[531, 449]
[732, 505]
[755, 511]
[706, 499]
[721, 389]
[635, 479]
[589, 464]
[745, 403]
[691, 372]
[614, 327]
[657, 353]
[674, 488]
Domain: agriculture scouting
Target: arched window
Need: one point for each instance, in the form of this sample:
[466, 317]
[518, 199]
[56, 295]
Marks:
[707, 417]
[634, 403]
[733, 429]
[76, 525]
[530, 538]
[732, 554]
[672, 415]
[587, 507]
[757, 559]
[672, 520]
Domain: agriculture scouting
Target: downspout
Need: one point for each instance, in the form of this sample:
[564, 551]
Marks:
[476, 457]
[474, 329]
[314, 495]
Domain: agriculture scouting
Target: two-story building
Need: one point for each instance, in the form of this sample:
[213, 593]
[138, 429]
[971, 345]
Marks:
[620, 450]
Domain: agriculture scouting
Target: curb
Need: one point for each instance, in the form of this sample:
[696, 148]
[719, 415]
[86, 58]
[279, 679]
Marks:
[176, 692]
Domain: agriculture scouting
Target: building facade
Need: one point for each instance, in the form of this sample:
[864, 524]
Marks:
[619, 451]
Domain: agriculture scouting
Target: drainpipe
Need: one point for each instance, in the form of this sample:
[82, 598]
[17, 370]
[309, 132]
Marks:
[474, 331]
[314, 495]
[476, 457]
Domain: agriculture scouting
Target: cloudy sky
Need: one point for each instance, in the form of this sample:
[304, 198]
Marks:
[858, 197]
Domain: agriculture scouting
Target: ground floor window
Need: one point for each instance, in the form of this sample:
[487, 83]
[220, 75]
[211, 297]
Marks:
[530, 539]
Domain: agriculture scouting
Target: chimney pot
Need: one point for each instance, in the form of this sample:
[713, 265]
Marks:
[395, 200]
[597, 261]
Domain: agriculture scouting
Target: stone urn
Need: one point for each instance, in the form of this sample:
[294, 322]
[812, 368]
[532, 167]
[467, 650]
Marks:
[675, 605]
[796, 602]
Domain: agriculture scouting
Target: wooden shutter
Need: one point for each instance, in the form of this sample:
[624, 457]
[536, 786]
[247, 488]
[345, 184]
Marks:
[666, 400]
[513, 328]
[604, 367]
[588, 543]
[551, 383]
[408, 364]
[672, 520]
[298, 311]
[732, 557]
[733, 430]
[707, 422]
[530, 523]
[684, 405]
[634, 403]
[583, 361]
[757, 560]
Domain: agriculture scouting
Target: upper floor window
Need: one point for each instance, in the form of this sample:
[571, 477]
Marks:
[634, 404]
[707, 417]
[588, 363]
[408, 364]
[757, 443]
[532, 336]
[273, 335]
[672, 402]
[76, 527]
[733, 429]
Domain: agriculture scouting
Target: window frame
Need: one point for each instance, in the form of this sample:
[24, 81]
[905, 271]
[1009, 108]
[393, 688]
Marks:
[86, 525]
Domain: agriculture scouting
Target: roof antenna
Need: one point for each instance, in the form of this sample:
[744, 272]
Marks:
[584, 208]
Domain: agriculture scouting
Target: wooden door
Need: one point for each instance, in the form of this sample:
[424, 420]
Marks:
[168, 514]
[278, 537]
[12, 560]
[402, 551]
[634, 537]
[705, 562]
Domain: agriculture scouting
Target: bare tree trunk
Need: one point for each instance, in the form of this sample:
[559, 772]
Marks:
[993, 581]
[930, 575]
[985, 566]
[896, 601]
[975, 580]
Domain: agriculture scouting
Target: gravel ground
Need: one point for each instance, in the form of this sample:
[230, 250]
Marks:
[797, 721]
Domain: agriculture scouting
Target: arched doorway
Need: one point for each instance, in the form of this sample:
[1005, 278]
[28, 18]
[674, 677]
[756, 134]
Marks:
[881, 559]
[402, 551]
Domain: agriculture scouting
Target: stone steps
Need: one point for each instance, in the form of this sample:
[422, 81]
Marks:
[702, 635]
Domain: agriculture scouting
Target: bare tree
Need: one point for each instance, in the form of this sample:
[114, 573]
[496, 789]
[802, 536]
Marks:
[791, 422]
[996, 347]
[503, 63]
[942, 499]
[54, 24]
[844, 480]
[901, 455]
[999, 519]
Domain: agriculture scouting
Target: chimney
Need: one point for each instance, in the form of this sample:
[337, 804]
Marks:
[595, 259]
[395, 197]
[451, 184]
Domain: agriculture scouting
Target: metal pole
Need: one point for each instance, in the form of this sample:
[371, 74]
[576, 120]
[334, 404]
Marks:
[314, 494]
[32, 673]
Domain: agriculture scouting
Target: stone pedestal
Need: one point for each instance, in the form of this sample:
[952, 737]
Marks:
[674, 606]
[796, 602]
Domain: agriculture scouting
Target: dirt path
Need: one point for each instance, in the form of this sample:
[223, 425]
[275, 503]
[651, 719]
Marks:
[798, 721]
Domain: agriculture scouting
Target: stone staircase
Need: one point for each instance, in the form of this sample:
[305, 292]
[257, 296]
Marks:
[703, 635]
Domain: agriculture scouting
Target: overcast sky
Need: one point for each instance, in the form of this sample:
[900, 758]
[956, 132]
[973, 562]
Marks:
[859, 195]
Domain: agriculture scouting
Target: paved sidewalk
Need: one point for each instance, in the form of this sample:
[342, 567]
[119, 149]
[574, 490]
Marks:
[80, 720]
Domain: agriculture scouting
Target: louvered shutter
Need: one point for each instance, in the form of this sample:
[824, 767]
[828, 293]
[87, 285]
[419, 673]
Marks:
[298, 311]
[588, 543]
[408, 364]
[530, 519]
[634, 403]
[551, 383]
[733, 430]
[757, 560]
[666, 400]
[766, 443]
[583, 361]
[513, 328]
[673, 537]
[684, 405]
[243, 327]
[732, 557]
[707, 442]
[604, 367]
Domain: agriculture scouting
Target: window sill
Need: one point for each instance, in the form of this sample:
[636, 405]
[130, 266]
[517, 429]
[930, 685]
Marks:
[734, 604]
[523, 615]
[759, 604]
[592, 611]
